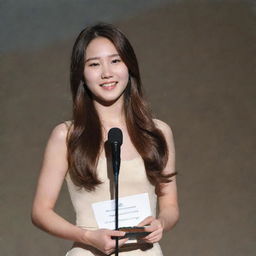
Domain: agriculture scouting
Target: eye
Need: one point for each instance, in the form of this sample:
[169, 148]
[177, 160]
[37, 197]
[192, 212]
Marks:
[117, 60]
[93, 64]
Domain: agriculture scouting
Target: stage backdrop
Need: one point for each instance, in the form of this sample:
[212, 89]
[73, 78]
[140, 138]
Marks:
[198, 62]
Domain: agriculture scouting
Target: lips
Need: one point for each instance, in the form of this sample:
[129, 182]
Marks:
[108, 85]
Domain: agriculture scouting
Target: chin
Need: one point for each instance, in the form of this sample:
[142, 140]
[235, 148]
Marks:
[109, 101]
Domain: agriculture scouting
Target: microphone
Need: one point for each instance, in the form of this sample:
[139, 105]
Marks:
[115, 138]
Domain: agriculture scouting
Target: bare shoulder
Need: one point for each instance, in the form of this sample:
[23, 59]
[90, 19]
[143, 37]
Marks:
[164, 127]
[60, 132]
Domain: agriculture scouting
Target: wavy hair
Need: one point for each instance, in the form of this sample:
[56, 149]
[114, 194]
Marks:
[85, 138]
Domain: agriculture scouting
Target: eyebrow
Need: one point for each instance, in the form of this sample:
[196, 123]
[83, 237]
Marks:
[97, 58]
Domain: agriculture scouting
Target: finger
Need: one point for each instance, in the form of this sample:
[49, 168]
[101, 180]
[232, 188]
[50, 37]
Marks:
[121, 242]
[116, 233]
[151, 228]
[154, 234]
[110, 252]
[155, 225]
[146, 221]
[153, 239]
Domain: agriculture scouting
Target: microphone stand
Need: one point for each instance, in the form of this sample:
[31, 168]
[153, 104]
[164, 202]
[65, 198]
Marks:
[116, 210]
[116, 166]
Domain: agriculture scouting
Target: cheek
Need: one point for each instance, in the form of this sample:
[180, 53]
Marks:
[123, 73]
[89, 76]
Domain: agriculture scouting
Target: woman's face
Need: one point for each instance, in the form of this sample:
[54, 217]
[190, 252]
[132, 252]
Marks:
[106, 75]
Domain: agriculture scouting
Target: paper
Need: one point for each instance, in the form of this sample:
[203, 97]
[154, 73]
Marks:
[132, 210]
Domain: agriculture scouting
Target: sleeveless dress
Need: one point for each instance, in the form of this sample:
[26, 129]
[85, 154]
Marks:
[132, 181]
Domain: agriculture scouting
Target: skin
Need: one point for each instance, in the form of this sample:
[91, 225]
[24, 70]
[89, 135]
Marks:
[168, 204]
[102, 66]
[106, 75]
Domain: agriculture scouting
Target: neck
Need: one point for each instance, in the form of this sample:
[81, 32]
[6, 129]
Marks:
[111, 115]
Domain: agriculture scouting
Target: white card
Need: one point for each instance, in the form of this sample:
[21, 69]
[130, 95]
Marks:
[132, 210]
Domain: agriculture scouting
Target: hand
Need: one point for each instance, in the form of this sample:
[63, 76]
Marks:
[155, 227]
[101, 239]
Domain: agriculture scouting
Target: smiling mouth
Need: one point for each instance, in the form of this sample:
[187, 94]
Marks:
[109, 85]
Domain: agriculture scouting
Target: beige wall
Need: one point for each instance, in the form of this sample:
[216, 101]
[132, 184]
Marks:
[198, 68]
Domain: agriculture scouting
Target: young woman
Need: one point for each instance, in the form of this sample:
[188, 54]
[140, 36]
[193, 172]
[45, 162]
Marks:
[106, 89]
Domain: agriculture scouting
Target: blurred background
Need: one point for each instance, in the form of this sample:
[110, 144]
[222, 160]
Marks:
[198, 65]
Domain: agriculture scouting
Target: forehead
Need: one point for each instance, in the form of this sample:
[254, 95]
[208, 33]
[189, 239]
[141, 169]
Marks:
[100, 47]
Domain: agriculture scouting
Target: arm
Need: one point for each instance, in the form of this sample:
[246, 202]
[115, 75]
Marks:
[168, 202]
[167, 196]
[51, 178]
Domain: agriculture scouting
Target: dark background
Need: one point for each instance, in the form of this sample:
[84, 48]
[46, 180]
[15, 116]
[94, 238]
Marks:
[198, 67]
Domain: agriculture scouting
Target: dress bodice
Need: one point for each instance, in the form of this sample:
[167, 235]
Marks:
[132, 180]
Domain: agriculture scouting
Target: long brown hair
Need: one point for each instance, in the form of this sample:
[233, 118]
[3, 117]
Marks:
[85, 139]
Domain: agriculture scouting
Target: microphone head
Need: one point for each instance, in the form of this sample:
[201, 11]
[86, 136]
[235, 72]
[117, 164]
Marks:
[115, 135]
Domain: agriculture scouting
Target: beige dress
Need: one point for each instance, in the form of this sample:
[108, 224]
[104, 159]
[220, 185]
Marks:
[132, 180]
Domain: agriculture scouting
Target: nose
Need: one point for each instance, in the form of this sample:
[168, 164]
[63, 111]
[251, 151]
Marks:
[106, 71]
